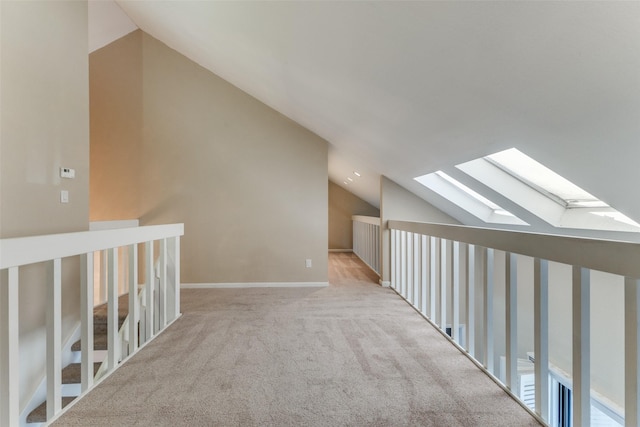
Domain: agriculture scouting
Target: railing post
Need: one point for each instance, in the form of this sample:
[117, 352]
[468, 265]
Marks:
[455, 294]
[409, 272]
[403, 264]
[150, 281]
[632, 352]
[434, 267]
[416, 271]
[487, 300]
[581, 347]
[393, 266]
[511, 321]
[424, 281]
[541, 335]
[471, 300]
[175, 251]
[163, 284]
[9, 356]
[112, 309]
[54, 338]
[86, 316]
[134, 311]
[445, 257]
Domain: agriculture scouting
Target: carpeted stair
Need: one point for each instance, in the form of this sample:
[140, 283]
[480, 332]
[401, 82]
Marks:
[71, 374]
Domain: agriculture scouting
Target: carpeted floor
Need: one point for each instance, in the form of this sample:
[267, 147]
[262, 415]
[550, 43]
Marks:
[351, 354]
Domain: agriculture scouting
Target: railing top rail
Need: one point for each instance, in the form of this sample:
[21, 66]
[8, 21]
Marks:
[610, 256]
[366, 219]
[20, 251]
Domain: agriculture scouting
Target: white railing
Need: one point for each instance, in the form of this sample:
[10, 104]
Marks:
[448, 274]
[366, 240]
[16, 253]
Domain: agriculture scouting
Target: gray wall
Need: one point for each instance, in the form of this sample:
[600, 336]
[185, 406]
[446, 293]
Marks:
[44, 125]
[249, 184]
[342, 206]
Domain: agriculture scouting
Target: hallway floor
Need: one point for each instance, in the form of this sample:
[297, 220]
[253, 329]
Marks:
[353, 353]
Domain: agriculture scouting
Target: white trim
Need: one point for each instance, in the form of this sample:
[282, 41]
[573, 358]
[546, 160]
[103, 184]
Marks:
[254, 285]
[385, 283]
[374, 220]
[110, 225]
[340, 250]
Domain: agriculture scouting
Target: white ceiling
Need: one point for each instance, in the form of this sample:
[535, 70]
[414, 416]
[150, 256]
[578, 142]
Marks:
[405, 88]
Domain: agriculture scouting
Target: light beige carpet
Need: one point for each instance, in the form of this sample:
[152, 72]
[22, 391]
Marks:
[352, 354]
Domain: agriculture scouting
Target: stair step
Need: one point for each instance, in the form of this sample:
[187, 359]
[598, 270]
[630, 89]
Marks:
[99, 343]
[39, 415]
[72, 373]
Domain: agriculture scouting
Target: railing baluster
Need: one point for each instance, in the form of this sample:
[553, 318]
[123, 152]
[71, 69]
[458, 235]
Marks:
[392, 264]
[104, 274]
[435, 271]
[416, 271]
[489, 361]
[175, 251]
[134, 312]
[403, 264]
[86, 316]
[409, 272]
[511, 321]
[162, 292]
[424, 282]
[112, 309]
[150, 281]
[471, 300]
[54, 338]
[9, 360]
[581, 347]
[541, 335]
[445, 257]
[632, 351]
[455, 293]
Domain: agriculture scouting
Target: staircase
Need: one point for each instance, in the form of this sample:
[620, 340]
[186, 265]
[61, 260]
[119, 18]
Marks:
[71, 374]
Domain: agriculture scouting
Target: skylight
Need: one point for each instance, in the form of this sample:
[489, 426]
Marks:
[544, 193]
[468, 199]
[544, 179]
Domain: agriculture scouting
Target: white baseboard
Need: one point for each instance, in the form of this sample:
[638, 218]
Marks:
[254, 285]
[340, 250]
[385, 283]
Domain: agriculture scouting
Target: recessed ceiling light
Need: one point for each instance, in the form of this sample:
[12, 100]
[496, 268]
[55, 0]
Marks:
[356, 173]
[350, 179]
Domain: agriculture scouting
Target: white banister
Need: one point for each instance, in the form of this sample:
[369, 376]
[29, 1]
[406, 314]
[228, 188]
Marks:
[409, 272]
[541, 335]
[134, 312]
[424, 278]
[86, 319]
[366, 241]
[511, 320]
[471, 300]
[52, 250]
[455, 293]
[487, 299]
[581, 347]
[434, 268]
[445, 257]
[54, 338]
[9, 361]
[162, 283]
[632, 352]
[417, 297]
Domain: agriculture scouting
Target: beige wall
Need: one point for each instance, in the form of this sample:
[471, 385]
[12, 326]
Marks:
[44, 125]
[342, 206]
[116, 128]
[249, 184]
[396, 203]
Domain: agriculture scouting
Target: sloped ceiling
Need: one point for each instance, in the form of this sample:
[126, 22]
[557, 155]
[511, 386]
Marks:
[406, 88]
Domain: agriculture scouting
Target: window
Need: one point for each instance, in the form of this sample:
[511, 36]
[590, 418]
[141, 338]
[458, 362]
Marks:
[545, 193]
[468, 199]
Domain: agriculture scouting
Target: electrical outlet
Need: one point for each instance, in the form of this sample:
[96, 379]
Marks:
[67, 173]
[308, 263]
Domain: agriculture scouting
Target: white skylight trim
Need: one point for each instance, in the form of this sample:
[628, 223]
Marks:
[544, 193]
[543, 179]
[468, 199]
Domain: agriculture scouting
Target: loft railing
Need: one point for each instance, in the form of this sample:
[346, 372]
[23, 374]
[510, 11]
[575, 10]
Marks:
[366, 240]
[16, 253]
[448, 273]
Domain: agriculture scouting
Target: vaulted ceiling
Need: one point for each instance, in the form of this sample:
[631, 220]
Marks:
[406, 88]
